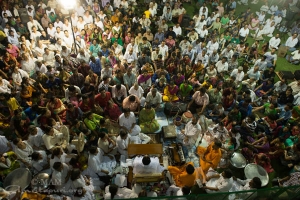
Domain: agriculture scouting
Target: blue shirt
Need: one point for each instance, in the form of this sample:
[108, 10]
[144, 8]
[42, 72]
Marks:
[96, 67]
[233, 5]
[50, 84]
[30, 114]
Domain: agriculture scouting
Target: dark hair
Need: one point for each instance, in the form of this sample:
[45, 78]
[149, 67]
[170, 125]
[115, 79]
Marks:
[202, 90]
[186, 190]
[57, 165]
[218, 143]
[256, 183]
[101, 135]
[113, 189]
[132, 98]
[55, 152]
[35, 156]
[93, 149]
[227, 173]
[146, 160]
[75, 174]
[123, 133]
[126, 110]
[16, 141]
[190, 169]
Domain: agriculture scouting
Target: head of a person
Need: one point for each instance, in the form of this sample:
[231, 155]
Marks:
[123, 134]
[146, 160]
[227, 173]
[190, 169]
[126, 112]
[93, 150]
[217, 144]
[255, 183]
[58, 166]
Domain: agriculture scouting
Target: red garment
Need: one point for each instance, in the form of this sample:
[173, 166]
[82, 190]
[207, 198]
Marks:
[102, 101]
[113, 112]
[86, 106]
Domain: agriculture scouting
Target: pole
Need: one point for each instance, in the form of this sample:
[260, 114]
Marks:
[75, 46]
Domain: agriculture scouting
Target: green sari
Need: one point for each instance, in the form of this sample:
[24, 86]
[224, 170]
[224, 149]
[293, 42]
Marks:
[147, 120]
[11, 165]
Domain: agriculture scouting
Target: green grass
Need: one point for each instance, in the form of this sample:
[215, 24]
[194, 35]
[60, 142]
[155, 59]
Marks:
[281, 64]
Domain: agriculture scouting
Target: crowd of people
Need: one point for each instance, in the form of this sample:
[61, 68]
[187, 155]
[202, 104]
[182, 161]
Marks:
[114, 65]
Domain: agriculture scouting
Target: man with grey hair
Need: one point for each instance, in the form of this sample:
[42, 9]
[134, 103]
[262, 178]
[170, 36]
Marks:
[154, 98]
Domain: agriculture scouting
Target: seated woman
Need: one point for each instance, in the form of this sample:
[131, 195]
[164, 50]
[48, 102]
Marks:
[170, 92]
[8, 163]
[144, 80]
[57, 108]
[147, 120]
[112, 110]
[178, 79]
[184, 91]
[183, 175]
[260, 145]
[254, 23]
[40, 162]
[264, 161]
[107, 144]
[160, 84]
[291, 156]
[210, 156]
[26, 92]
[265, 88]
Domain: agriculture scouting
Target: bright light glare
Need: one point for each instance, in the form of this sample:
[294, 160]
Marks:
[68, 4]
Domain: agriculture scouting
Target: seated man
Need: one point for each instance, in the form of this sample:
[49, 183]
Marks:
[127, 121]
[183, 175]
[52, 138]
[210, 156]
[191, 132]
[133, 103]
[147, 165]
[154, 99]
[219, 182]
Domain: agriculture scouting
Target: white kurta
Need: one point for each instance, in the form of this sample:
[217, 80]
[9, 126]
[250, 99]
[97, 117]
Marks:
[36, 140]
[58, 179]
[153, 167]
[223, 184]
[192, 132]
[51, 141]
[127, 122]
[24, 153]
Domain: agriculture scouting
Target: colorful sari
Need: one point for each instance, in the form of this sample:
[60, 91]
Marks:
[57, 108]
[10, 165]
[170, 94]
[148, 123]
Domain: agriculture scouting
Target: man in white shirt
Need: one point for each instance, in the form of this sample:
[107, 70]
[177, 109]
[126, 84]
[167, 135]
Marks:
[177, 29]
[130, 56]
[127, 121]
[274, 42]
[163, 50]
[119, 93]
[61, 177]
[52, 138]
[292, 42]
[68, 40]
[294, 58]
[137, 91]
[248, 184]
[191, 132]
[59, 34]
[212, 45]
[35, 137]
[48, 57]
[238, 74]
[243, 33]
[177, 191]
[147, 165]
[32, 22]
[219, 182]
[227, 52]
[154, 98]
[203, 33]
[222, 65]
[5, 145]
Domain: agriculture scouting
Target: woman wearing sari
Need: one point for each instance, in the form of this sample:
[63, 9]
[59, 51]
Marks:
[94, 48]
[170, 92]
[254, 23]
[148, 123]
[8, 163]
[57, 108]
[113, 110]
[210, 156]
[144, 80]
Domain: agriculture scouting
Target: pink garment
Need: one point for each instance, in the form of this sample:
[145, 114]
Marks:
[254, 24]
[13, 51]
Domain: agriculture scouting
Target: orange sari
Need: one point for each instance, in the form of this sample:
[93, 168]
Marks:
[212, 158]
